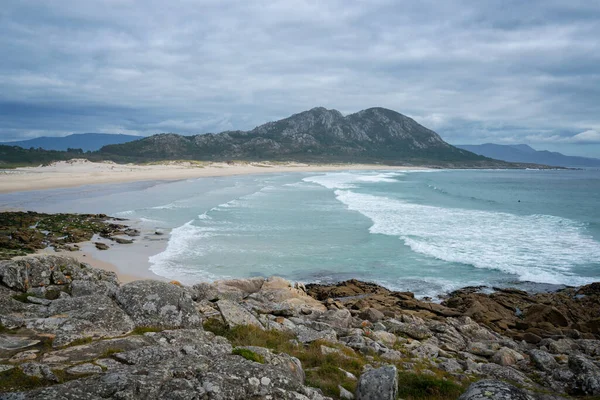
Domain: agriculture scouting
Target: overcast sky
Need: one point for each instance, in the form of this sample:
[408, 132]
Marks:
[474, 71]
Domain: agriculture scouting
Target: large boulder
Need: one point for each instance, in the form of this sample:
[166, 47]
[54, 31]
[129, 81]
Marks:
[506, 356]
[378, 384]
[278, 296]
[587, 376]
[74, 318]
[545, 313]
[158, 304]
[491, 389]
[235, 315]
[543, 360]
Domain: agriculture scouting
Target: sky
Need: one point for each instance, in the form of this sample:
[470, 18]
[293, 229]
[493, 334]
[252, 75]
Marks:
[501, 71]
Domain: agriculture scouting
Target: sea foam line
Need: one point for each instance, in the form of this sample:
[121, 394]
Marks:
[537, 248]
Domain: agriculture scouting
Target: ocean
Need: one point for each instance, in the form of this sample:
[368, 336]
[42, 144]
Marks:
[428, 232]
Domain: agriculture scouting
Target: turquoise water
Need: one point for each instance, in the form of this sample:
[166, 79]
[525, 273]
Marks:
[427, 232]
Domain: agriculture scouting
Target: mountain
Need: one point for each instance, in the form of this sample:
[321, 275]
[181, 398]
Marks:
[84, 141]
[319, 134]
[523, 153]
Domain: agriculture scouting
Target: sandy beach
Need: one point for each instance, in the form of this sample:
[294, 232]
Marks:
[82, 172]
[130, 262]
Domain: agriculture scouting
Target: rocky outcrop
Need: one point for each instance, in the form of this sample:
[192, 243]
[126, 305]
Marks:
[158, 304]
[497, 390]
[23, 233]
[569, 312]
[76, 332]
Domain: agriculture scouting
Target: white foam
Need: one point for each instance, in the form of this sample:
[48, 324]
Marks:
[300, 184]
[538, 248]
[348, 180]
[173, 261]
[169, 206]
[124, 213]
[151, 221]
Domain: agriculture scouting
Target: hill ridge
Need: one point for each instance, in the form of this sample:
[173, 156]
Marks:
[375, 134]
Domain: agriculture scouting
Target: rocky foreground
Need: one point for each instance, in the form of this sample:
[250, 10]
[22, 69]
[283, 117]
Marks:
[69, 331]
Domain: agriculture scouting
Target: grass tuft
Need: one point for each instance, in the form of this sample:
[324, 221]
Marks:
[22, 297]
[249, 355]
[15, 380]
[412, 386]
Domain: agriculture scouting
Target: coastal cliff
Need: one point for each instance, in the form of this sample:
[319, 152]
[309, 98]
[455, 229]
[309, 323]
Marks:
[72, 331]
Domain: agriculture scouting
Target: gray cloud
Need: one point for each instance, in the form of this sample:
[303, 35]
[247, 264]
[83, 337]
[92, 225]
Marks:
[496, 71]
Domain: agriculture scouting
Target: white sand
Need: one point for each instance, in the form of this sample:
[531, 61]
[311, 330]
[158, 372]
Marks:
[82, 172]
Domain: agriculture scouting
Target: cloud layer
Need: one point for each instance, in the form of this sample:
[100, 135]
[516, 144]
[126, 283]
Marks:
[500, 71]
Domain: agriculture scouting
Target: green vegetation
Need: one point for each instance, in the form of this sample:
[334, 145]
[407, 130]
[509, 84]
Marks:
[322, 371]
[22, 297]
[4, 329]
[140, 330]
[23, 233]
[326, 371]
[413, 386]
[109, 352]
[249, 355]
[15, 380]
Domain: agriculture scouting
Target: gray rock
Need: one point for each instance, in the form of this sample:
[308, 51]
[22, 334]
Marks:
[4, 367]
[587, 376]
[500, 372]
[371, 314]
[84, 369]
[38, 370]
[235, 315]
[26, 355]
[291, 364]
[42, 271]
[336, 318]
[413, 330]
[563, 346]
[425, 350]
[378, 384]
[307, 334]
[37, 300]
[204, 291]
[387, 338]
[99, 348]
[392, 355]
[483, 349]
[11, 342]
[543, 360]
[158, 304]
[87, 288]
[451, 365]
[278, 296]
[345, 394]
[74, 318]
[496, 390]
[506, 356]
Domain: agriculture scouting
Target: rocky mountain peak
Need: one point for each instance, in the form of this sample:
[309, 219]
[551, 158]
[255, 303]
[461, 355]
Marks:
[375, 134]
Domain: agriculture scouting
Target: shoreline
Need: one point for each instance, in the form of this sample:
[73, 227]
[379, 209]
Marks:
[75, 173]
